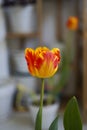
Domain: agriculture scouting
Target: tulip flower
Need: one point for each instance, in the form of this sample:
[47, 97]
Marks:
[72, 23]
[42, 62]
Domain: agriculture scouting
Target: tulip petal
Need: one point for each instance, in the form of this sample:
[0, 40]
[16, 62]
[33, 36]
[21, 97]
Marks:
[29, 55]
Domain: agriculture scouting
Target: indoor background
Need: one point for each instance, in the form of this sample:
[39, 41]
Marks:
[33, 23]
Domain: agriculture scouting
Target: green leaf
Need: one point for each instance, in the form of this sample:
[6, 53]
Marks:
[54, 125]
[72, 119]
[38, 120]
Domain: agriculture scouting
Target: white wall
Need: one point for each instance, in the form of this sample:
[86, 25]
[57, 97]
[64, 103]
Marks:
[4, 68]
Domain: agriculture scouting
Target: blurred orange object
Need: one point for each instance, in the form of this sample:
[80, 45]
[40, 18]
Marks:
[72, 23]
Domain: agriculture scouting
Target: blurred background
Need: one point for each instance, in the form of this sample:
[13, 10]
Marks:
[32, 23]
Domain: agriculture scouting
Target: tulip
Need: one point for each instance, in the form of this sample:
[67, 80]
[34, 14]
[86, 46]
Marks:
[42, 62]
[72, 23]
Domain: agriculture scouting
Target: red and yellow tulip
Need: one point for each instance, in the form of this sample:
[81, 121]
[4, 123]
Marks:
[72, 23]
[42, 62]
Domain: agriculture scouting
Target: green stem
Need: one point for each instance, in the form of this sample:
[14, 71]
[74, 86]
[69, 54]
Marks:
[41, 99]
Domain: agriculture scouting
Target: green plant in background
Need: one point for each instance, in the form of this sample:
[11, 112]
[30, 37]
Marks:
[67, 57]
[63, 79]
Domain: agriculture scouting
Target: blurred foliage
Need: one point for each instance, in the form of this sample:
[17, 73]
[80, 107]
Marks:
[64, 69]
